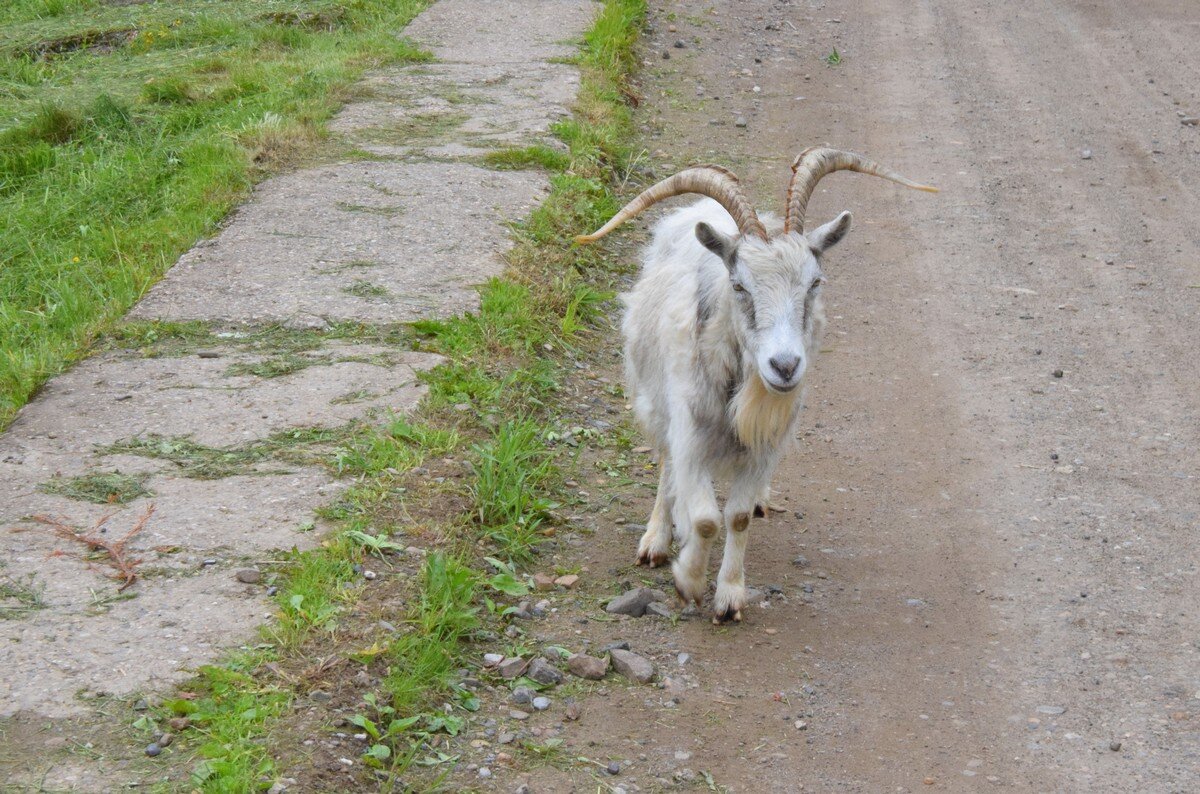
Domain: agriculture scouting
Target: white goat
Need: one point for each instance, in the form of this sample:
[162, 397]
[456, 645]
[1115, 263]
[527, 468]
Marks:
[719, 331]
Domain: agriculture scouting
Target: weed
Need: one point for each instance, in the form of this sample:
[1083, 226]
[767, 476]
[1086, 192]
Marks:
[518, 159]
[362, 288]
[398, 446]
[102, 488]
[275, 366]
[512, 473]
[834, 58]
[19, 596]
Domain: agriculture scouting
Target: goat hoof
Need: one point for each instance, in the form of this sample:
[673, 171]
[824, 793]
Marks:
[685, 601]
[759, 512]
[653, 560]
[729, 615]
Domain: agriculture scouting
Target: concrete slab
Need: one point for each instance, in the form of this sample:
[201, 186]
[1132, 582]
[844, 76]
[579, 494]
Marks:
[502, 31]
[455, 110]
[369, 242]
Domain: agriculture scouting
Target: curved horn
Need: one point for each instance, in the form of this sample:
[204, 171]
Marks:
[708, 180]
[816, 162]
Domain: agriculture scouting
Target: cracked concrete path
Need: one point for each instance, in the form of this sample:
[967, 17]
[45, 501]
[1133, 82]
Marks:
[376, 242]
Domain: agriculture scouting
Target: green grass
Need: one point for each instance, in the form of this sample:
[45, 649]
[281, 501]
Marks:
[513, 472]
[114, 159]
[102, 488]
[19, 595]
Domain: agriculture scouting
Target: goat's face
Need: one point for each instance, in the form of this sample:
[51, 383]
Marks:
[776, 292]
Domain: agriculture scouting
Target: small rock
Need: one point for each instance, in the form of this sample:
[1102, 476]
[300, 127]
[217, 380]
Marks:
[632, 603]
[506, 738]
[613, 768]
[1058, 373]
[369, 575]
[754, 596]
[153, 749]
[492, 659]
[658, 609]
[740, 122]
[666, 55]
[801, 725]
[541, 703]
[484, 772]
[272, 590]
[543, 582]
[511, 668]
[522, 696]
[632, 666]
[588, 667]
[1115, 746]
[519, 715]
[1189, 121]
[574, 711]
[541, 608]
[248, 576]
[680, 44]
[141, 705]
[568, 581]
[800, 561]
[166, 739]
[1055, 710]
[208, 562]
[544, 673]
[622, 645]
[683, 659]
[1086, 154]
[179, 723]
[319, 696]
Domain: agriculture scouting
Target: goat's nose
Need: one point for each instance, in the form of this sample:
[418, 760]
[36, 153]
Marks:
[785, 366]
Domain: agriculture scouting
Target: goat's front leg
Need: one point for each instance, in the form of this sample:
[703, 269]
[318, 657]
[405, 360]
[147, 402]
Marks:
[655, 547]
[744, 495]
[697, 520]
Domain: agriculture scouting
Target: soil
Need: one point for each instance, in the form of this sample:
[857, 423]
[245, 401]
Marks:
[994, 487]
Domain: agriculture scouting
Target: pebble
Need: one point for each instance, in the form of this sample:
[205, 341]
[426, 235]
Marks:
[632, 666]
[369, 574]
[544, 673]
[588, 667]
[1115, 746]
[568, 581]
[543, 582]
[632, 603]
[319, 696]
[680, 44]
[166, 739]
[492, 659]
[613, 768]
[517, 714]
[153, 749]
[1050, 710]
[658, 610]
[1058, 373]
[740, 122]
[511, 668]
[522, 696]
[683, 659]
[622, 645]
[800, 561]
[248, 576]
[484, 772]
[272, 590]
[507, 737]
[209, 562]
[141, 705]
[1086, 154]
[541, 703]
[1189, 121]
[801, 725]
[574, 711]
[179, 723]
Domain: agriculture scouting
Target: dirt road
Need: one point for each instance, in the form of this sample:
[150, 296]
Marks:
[997, 471]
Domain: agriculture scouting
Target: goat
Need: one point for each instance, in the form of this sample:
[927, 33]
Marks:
[719, 330]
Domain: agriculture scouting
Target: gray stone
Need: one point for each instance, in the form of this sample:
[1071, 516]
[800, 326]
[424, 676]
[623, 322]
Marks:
[632, 666]
[588, 667]
[511, 668]
[658, 609]
[544, 673]
[633, 602]
[248, 576]
[541, 703]
[522, 696]
[1052, 710]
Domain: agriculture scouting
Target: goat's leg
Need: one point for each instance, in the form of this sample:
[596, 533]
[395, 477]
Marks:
[697, 520]
[655, 547]
[731, 581]
[763, 503]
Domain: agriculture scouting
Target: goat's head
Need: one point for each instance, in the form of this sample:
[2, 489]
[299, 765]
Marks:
[775, 279]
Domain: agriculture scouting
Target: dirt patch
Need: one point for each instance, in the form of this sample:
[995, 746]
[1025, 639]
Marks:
[93, 41]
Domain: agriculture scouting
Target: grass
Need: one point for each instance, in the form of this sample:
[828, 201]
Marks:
[19, 595]
[102, 488]
[130, 130]
[834, 58]
[512, 472]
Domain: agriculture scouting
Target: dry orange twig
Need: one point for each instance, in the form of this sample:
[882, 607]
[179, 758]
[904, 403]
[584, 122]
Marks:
[126, 567]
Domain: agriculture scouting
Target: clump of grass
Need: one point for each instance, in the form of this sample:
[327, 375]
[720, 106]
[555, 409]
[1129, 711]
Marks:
[396, 447]
[833, 58]
[102, 488]
[361, 288]
[512, 474]
[523, 158]
[275, 366]
[19, 596]
[299, 446]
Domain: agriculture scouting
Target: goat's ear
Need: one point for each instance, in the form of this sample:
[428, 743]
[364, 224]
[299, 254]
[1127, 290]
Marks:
[822, 238]
[720, 244]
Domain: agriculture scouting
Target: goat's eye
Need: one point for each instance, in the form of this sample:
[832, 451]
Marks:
[816, 283]
[738, 287]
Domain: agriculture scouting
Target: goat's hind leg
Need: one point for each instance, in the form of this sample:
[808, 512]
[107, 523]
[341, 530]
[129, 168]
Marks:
[655, 547]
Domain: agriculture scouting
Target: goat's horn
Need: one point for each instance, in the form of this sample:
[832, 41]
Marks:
[708, 180]
[816, 162]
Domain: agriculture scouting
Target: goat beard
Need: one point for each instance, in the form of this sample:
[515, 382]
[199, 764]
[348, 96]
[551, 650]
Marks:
[761, 417]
